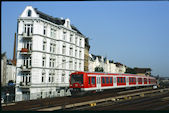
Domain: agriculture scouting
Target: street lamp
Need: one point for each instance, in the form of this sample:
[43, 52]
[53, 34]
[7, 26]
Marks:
[58, 69]
[7, 94]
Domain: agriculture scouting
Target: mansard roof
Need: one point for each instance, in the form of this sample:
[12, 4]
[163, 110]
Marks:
[55, 20]
[50, 18]
[74, 28]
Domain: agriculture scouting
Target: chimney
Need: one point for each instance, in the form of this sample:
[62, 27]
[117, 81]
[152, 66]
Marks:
[14, 52]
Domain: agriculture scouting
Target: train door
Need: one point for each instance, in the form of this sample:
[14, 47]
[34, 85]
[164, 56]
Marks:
[127, 81]
[136, 81]
[98, 79]
[114, 81]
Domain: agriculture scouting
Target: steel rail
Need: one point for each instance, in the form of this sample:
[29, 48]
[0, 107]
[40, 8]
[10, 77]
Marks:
[94, 102]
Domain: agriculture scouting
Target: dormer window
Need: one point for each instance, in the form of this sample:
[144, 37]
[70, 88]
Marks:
[68, 24]
[29, 12]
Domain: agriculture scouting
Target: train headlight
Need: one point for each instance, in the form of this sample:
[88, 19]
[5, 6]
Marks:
[82, 85]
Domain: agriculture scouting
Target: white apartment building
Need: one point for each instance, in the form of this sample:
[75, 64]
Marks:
[48, 50]
[108, 66]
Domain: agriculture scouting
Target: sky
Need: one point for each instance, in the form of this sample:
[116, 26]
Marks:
[133, 33]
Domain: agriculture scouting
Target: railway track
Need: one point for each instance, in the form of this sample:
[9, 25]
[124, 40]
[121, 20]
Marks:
[159, 101]
[63, 102]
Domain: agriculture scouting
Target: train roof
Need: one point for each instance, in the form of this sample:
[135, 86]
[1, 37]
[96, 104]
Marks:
[103, 73]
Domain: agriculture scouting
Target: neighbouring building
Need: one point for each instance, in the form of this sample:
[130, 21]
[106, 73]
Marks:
[3, 69]
[94, 61]
[48, 50]
[10, 71]
[121, 68]
[107, 65]
[86, 55]
[139, 71]
[143, 71]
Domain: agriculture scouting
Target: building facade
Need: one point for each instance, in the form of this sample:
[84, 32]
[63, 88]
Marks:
[3, 69]
[107, 65]
[10, 71]
[121, 68]
[86, 55]
[48, 50]
[143, 71]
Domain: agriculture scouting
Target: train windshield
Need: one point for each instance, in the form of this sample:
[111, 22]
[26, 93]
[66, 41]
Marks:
[77, 78]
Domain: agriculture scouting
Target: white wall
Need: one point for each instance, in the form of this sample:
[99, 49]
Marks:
[10, 73]
[108, 67]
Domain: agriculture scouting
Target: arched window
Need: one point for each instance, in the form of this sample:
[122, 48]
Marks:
[29, 12]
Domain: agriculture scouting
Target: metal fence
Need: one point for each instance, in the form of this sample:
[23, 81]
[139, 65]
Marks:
[8, 98]
[32, 96]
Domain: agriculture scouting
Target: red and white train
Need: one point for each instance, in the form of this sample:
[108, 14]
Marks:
[82, 82]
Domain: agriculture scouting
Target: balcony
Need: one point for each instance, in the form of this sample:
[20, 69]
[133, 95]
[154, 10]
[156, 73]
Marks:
[25, 68]
[24, 85]
[27, 35]
[25, 51]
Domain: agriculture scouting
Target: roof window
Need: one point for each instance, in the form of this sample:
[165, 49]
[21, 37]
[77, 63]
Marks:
[29, 12]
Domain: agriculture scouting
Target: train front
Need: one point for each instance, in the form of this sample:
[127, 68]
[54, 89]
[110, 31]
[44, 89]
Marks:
[76, 83]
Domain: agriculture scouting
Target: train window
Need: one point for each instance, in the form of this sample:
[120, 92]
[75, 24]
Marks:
[124, 80]
[121, 81]
[93, 80]
[110, 79]
[107, 80]
[103, 80]
[118, 80]
[78, 78]
[139, 80]
[89, 80]
[145, 80]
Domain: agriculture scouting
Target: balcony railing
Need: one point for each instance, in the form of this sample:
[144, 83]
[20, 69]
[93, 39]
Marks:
[27, 35]
[25, 51]
[24, 84]
[26, 68]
